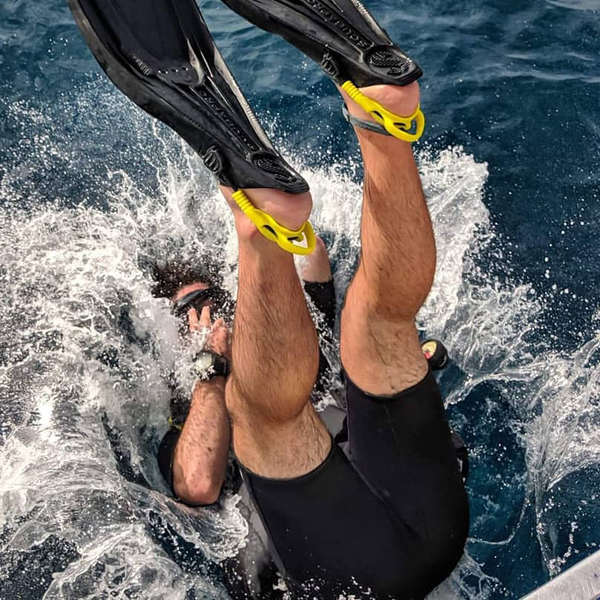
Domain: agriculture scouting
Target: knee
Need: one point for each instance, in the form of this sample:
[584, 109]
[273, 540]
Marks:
[275, 401]
[372, 302]
[379, 292]
[395, 309]
[278, 383]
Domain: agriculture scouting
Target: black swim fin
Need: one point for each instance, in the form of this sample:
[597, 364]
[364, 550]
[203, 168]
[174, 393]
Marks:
[348, 44]
[162, 56]
[340, 35]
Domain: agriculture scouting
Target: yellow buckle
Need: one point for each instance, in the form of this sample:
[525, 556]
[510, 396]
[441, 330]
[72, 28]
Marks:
[285, 238]
[173, 424]
[399, 127]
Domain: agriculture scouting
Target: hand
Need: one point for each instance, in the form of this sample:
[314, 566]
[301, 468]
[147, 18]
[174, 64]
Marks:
[218, 338]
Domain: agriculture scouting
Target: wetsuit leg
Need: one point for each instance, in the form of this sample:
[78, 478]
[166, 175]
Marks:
[331, 534]
[392, 517]
[402, 446]
[166, 451]
[322, 295]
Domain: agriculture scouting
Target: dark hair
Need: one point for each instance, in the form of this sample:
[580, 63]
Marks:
[169, 276]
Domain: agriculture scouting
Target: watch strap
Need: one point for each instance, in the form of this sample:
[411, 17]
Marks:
[219, 366]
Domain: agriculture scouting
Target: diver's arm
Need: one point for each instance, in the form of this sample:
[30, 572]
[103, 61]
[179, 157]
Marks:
[200, 459]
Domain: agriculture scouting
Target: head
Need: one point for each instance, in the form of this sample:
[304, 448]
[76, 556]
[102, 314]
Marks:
[175, 280]
[171, 277]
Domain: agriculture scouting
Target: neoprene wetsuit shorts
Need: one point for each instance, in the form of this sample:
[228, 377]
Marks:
[386, 510]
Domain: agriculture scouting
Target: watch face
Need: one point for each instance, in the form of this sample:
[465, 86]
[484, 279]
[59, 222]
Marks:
[203, 364]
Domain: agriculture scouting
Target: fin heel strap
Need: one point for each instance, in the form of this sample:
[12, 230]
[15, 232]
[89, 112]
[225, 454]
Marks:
[285, 238]
[395, 125]
[362, 124]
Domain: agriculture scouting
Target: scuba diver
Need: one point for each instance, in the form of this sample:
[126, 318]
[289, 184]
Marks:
[195, 293]
[380, 511]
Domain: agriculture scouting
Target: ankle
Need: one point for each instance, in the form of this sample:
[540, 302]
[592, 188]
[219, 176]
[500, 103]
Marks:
[258, 250]
[316, 267]
[245, 228]
[289, 210]
[401, 100]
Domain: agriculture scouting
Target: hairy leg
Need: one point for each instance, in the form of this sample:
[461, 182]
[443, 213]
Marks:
[276, 432]
[379, 343]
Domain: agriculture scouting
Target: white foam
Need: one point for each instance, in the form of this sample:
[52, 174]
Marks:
[74, 295]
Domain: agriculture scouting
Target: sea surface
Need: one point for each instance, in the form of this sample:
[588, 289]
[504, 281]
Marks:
[92, 191]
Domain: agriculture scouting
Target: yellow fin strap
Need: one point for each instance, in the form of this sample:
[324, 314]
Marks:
[399, 127]
[302, 241]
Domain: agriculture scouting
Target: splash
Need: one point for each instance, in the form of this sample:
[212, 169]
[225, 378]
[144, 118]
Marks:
[84, 348]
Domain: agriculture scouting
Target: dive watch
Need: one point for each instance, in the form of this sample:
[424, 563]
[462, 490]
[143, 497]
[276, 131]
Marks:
[208, 365]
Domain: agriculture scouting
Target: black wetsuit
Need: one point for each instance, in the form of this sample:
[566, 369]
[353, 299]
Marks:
[386, 514]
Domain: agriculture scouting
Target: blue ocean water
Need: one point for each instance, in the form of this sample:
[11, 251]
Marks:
[90, 188]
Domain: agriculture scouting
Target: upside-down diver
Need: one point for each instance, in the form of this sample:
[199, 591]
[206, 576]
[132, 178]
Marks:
[379, 510]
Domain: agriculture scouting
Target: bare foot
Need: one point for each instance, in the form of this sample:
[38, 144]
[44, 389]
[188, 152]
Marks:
[401, 100]
[316, 267]
[289, 210]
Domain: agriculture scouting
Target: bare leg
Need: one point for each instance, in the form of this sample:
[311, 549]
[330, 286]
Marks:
[317, 268]
[276, 432]
[379, 343]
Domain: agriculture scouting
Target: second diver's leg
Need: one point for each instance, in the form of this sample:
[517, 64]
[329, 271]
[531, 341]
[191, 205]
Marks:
[318, 285]
[276, 432]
